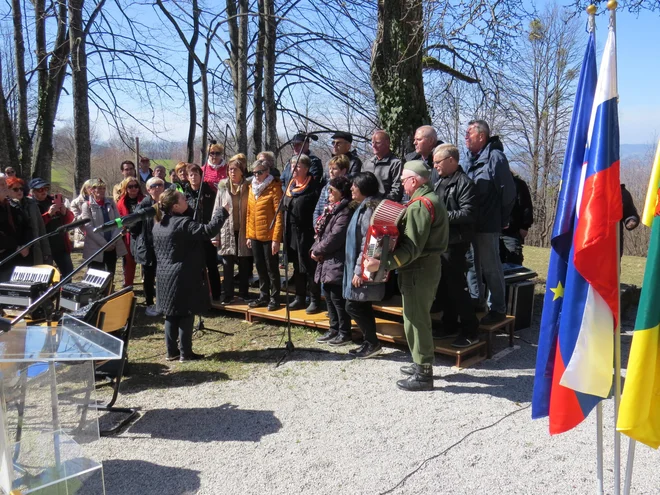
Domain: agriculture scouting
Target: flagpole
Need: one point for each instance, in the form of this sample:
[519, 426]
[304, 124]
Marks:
[612, 5]
[591, 29]
[629, 466]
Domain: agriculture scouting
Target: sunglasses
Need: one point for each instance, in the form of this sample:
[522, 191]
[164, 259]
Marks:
[258, 172]
[153, 186]
[133, 186]
[214, 153]
[42, 189]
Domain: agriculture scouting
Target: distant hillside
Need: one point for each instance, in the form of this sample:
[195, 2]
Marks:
[628, 151]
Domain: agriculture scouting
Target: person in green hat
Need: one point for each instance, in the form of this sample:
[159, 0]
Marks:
[417, 259]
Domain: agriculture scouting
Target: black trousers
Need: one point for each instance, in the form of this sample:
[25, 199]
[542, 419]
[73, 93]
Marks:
[211, 254]
[511, 249]
[453, 296]
[304, 282]
[109, 263]
[363, 314]
[268, 270]
[64, 263]
[244, 271]
[181, 328]
[149, 273]
[340, 321]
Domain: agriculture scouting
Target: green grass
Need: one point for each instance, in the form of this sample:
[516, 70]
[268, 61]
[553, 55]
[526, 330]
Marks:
[632, 267]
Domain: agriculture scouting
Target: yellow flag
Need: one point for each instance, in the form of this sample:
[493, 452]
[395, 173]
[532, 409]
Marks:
[652, 193]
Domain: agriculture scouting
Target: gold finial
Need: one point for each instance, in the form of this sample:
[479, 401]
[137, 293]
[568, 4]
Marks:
[612, 5]
[591, 10]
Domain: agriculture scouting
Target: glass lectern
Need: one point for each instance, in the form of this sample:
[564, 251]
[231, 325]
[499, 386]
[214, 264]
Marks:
[47, 416]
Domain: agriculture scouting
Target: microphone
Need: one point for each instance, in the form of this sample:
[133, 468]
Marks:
[72, 225]
[128, 220]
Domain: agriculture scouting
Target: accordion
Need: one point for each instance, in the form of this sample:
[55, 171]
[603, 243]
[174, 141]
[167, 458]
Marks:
[382, 238]
[26, 285]
[79, 294]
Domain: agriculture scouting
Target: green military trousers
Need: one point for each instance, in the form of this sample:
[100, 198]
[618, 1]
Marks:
[418, 283]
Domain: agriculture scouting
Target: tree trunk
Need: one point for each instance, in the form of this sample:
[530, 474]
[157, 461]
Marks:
[24, 138]
[258, 128]
[8, 153]
[238, 34]
[83, 145]
[51, 80]
[269, 76]
[396, 71]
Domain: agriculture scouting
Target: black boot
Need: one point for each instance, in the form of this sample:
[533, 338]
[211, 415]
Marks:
[408, 369]
[422, 379]
[298, 303]
[314, 306]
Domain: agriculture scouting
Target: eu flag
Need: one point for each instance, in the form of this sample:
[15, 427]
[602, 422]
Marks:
[562, 233]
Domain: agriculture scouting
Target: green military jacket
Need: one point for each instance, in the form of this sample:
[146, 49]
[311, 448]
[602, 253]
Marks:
[421, 237]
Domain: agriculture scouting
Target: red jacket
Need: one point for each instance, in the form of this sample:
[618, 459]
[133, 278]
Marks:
[123, 211]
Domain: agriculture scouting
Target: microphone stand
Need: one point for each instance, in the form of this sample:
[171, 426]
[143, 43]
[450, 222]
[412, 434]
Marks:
[288, 346]
[55, 232]
[54, 290]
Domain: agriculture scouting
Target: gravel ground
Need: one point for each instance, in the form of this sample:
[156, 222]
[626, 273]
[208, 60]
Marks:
[327, 424]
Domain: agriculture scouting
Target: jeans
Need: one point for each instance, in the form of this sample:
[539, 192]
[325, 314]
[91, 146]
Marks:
[339, 319]
[149, 272]
[181, 328]
[63, 262]
[268, 270]
[486, 265]
[363, 314]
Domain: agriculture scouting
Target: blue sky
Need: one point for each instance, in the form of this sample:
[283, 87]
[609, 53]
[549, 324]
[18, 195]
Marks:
[638, 71]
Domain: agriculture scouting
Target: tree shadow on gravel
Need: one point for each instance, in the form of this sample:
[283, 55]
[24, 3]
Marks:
[208, 424]
[145, 478]
[514, 388]
[150, 376]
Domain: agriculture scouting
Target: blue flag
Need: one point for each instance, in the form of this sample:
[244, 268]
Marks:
[562, 233]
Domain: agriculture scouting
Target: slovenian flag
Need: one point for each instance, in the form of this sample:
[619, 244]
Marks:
[582, 373]
[562, 232]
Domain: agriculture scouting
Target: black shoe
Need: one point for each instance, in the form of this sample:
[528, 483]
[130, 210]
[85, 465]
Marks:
[362, 346]
[245, 296]
[422, 379]
[258, 303]
[298, 303]
[368, 350]
[226, 300]
[191, 357]
[408, 369]
[273, 305]
[492, 318]
[327, 336]
[172, 358]
[462, 342]
[340, 340]
[313, 308]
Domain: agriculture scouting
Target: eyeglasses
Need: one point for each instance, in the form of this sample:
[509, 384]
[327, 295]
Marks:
[16, 189]
[440, 161]
[258, 173]
[133, 186]
[404, 179]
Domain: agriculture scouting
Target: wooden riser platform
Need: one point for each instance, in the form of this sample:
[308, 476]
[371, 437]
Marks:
[387, 330]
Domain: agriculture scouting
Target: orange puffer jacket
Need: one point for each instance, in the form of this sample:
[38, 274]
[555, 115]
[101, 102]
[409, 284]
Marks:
[260, 213]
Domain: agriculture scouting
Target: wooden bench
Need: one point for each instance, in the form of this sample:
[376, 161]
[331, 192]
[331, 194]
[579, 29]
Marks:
[507, 325]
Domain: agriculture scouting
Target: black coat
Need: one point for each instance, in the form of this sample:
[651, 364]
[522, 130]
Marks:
[180, 282]
[142, 239]
[331, 246]
[207, 202]
[298, 222]
[522, 214]
[459, 196]
[15, 231]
